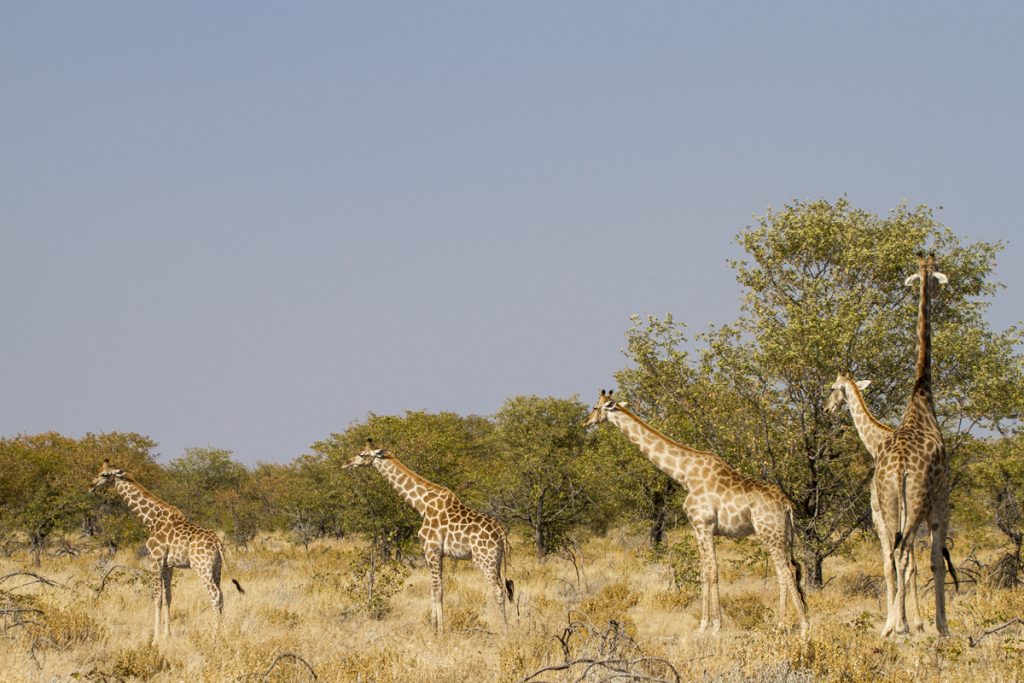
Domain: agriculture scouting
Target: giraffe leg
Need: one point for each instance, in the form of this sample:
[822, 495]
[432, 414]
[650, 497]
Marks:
[902, 557]
[939, 574]
[165, 579]
[916, 622]
[435, 560]
[787, 585]
[158, 598]
[888, 570]
[211, 580]
[712, 608]
[490, 565]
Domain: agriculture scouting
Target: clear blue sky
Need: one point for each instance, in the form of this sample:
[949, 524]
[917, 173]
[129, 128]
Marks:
[246, 225]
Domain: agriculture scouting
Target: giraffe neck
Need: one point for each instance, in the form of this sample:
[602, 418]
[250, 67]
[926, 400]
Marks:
[151, 510]
[674, 459]
[871, 431]
[416, 490]
[923, 368]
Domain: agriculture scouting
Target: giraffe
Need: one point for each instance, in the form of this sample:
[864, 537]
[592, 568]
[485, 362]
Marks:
[173, 542]
[720, 501]
[450, 529]
[873, 433]
[910, 479]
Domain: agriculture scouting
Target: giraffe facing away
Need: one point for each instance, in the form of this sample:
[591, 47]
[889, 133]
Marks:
[450, 529]
[173, 542]
[873, 433]
[910, 479]
[720, 501]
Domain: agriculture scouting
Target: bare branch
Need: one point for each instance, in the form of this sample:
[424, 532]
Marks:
[973, 641]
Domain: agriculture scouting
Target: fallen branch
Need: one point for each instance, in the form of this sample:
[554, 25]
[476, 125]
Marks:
[972, 641]
[610, 654]
[295, 658]
[14, 617]
[103, 582]
[36, 578]
[623, 669]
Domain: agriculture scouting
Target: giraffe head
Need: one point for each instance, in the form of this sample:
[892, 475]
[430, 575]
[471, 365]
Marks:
[926, 273]
[108, 473]
[605, 404]
[366, 456]
[838, 398]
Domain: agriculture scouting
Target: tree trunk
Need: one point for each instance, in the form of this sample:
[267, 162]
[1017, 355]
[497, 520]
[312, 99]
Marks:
[656, 534]
[659, 513]
[812, 569]
[538, 529]
[542, 544]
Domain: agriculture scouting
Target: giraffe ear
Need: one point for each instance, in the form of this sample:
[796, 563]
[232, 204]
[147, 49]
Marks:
[912, 279]
[940, 277]
[378, 452]
[119, 472]
[863, 384]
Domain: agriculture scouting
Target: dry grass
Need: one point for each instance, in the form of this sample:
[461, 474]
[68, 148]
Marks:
[304, 608]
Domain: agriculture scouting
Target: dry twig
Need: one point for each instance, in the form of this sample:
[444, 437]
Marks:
[610, 654]
[36, 578]
[103, 582]
[973, 642]
[292, 656]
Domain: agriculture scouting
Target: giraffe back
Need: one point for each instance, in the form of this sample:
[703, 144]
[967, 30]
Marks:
[464, 532]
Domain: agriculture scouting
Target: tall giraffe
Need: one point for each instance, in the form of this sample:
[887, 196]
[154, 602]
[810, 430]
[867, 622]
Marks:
[173, 542]
[721, 501]
[450, 529]
[910, 478]
[873, 433]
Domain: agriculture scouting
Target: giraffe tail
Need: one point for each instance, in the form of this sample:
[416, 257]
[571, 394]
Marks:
[952, 569]
[903, 516]
[791, 533]
[510, 586]
[224, 566]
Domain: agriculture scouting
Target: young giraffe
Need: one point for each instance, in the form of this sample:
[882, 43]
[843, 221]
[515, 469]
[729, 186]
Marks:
[721, 501]
[173, 542]
[911, 473]
[873, 433]
[450, 529]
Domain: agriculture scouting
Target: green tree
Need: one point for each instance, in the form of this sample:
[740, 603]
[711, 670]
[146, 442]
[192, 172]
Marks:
[206, 486]
[543, 481]
[446, 448]
[44, 490]
[995, 482]
[823, 293]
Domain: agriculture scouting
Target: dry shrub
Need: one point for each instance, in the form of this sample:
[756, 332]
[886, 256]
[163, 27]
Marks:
[675, 599]
[612, 603]
[861, 585]
[835, 654]
[141, 662]
[65, 628]
[747, 611]
[466, 613]
[281, 616]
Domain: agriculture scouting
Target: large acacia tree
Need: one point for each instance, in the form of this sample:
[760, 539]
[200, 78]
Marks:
[823, 293]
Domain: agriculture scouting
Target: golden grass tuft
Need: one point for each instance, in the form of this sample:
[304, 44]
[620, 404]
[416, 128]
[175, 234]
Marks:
[307, 605]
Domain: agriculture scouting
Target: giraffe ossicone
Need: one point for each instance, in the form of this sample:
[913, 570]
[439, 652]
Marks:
[449, 529]
[173, 543]
[720, 501]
